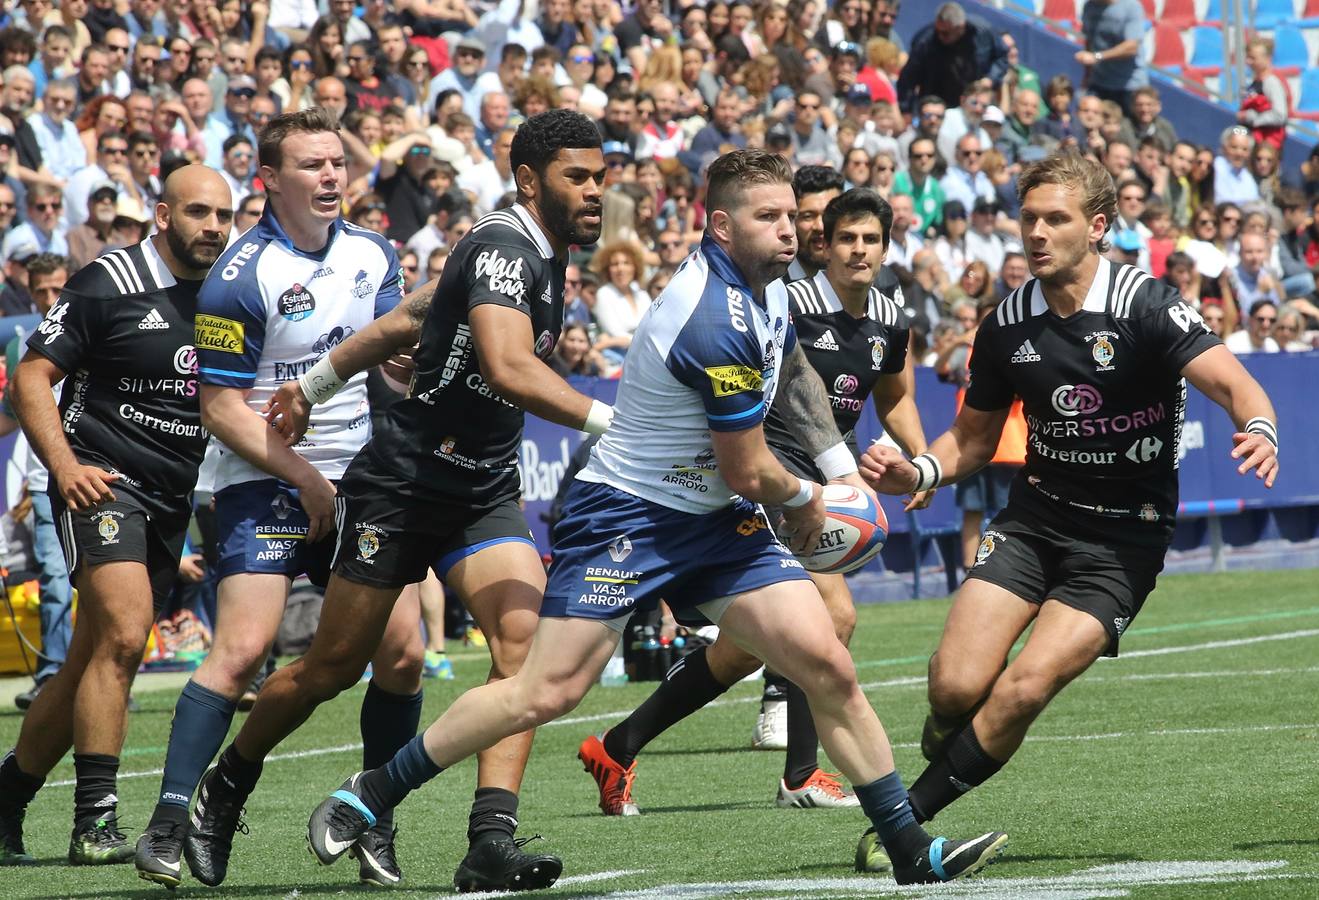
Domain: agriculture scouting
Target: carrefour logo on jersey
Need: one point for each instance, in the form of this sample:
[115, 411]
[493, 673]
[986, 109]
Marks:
[296, 303]
[505, 275]
[730, 380]
[216, 333]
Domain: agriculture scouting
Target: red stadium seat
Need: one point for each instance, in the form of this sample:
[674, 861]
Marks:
[1150, 12]
[1169, 51]
[1063, 11]
[1178, 12]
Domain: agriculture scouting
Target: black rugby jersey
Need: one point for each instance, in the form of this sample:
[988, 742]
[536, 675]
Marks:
[453, 436]
[848, 353]
[122, 330]
[1103, 396]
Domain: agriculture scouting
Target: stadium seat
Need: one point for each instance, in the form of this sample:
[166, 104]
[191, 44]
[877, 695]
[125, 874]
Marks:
[1062, 11]
[1150, 12]
[1307, 105]
[1213, 14]
[1207, 50]
[1272, 13]
[1178, 12]
[1290, 53]
[1309, 14]
[1169, 51]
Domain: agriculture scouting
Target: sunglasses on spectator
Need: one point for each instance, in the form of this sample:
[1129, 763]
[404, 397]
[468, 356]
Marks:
[616, 163]
[1265, 320]
[419, 151]
[467, 51]
[883, 168]
[808, 106]
[142, 153]
[118, 48]
[4, 205]
[245, 93]
[583, 58]
[358, 58]
[1230, 220]
[416, 63]
[670, 245]
[972, 152]
[932, 115]
[240, 154]
[573, 282]
[207, 58]
[300, 64]
[114, 151]
[60, 101]
[914, 155]
[411, 268]
[52, 206]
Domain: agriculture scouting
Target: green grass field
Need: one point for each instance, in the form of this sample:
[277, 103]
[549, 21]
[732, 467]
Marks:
[1187, 768]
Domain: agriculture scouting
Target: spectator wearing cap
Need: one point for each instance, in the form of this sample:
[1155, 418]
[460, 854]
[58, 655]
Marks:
[918, 183]
[844, 63]
[965, 181]
[1113, 30]
[1126, 247]
[466, 76]
[495, 111]
[62, 151]
[238, 107]
[947, 55]
[45, 205]
[1233, 180]
[488, 181]
[111, 165]
[401, 182]
[810, 142]
[856, 102]
[966, 118]
[15, 299]
[951, 247]
[779, 139]
[618, 156]
[982, 242]
[90, 238]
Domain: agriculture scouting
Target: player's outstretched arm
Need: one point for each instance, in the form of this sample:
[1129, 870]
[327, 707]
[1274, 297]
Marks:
[1221, 377]
[751, 470]
[82, 487]
[226, 415]
[505, 348]
[962, 450]
[289, 408]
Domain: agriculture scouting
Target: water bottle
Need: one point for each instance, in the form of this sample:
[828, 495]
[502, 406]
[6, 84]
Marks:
[649, 662]
[664, 658]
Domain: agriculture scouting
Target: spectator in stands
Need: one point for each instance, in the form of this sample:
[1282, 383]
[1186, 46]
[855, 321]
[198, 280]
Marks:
[92, 72]
[14, 297]
[1296, 244]
[1252, 281]
[1012, 275]
[102, 114]
[1228, 219]
[93, 237]
[722, 132]
[331, 94]
[646, 28]
[495, 110]
[1117, 160]
[1114, 68]
[8, 199]
[368, 212]
[1256, 336]
[810, 142]
[111, 164]
[975, 285]
[1289, 330]
[466, 76]
[1058, 123]
[574, 355]
[1150, 168]
[1264, 166]
[1180, 195]
[238, 98]
[883, 169]
[237, 171]
[401, 184]
[1212, 313]
[1264, 105]
[621, 301]
[45, 205]
[248, 212]
[926, 123]
[366, 89]
[966, 118]
[61, 149]
[197, 100]
[492, 179]
[982, 243]
[294, 87]
[142, 72]
[1020, 125]
[1233, 180]
[919, 183]
[1146, 120]
[964, 181]
[950, 249]
[948, 54]
[12, 189]
[53, 62]
[903, 242]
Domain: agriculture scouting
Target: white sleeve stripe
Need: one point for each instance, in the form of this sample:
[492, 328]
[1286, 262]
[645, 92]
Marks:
[125, 261]
[104, 262]
[1119, 285]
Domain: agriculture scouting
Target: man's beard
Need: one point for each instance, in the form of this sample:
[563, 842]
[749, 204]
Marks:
[200, 258]
[559, 219]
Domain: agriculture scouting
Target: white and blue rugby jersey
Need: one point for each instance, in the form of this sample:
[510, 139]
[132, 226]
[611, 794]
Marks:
[268, 311]
[705, 357]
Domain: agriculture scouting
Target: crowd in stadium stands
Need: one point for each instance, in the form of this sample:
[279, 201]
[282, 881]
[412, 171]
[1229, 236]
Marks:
[101, 98]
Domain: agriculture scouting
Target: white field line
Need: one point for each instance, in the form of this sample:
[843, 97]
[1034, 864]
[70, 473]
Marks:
[899, 682]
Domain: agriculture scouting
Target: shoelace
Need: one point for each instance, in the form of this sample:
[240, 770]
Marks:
[345, 818]
[522, 842]
[166, 837]
[829, 783]
[109, 828]
[385, 851]
[225, 809]
[629, 776]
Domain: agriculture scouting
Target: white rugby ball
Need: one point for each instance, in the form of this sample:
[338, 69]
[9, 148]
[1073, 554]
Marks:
[855, 529]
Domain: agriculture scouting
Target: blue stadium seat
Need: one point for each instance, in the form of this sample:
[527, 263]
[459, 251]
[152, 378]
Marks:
[1290, 53]
[1272, 13]
[1207, 48]
[1307, 105]
[1213, 12]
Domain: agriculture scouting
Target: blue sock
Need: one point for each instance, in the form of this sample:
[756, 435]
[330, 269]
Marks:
[885, 803]
[384, 788]
[388, 721]
[201, 721]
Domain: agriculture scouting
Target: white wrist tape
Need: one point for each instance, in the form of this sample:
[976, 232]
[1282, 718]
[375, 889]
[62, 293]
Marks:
[320, 382]
[1261, 425]
[805, 492]
[929, 472]
[836, 462]
[599, 418]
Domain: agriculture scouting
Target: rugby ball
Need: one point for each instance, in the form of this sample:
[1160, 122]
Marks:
[855, 529]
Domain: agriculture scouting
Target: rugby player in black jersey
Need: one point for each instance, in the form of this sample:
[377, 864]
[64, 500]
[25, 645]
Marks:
[1099, 354]
[855, 340]
[122, 448]
[437, 486]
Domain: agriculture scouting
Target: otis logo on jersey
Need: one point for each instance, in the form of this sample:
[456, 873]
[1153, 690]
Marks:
[505, 275]
[296, 303]
[215, 333]
[1077, 400]
[729, 380]
[240, 259]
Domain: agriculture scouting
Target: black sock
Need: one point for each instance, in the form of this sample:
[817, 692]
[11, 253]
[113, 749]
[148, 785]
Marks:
[388, 722]
[17, 788]
[242, 774]
[686, 687]
[803, 743]
[885, 803]
[964, 765]
[168, 814]
[776, 686]
[94, 793]
[384, 788]
[494, 815]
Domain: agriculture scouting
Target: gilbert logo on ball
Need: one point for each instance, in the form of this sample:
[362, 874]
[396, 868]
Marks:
[855, 529]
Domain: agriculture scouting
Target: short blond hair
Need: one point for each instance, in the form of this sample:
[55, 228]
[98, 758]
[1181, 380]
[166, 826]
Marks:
[1071, 170]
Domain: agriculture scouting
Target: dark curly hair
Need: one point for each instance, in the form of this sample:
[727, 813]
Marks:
[858, 203]
[540, 138]
[816, 180]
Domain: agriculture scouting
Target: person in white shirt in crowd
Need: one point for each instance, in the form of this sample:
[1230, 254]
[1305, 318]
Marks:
[465, 76]
[966, 118]
[951, 248]
[45, 205]
[1256, 337]
[982, 242]
[1251, 280]
[62, 151]
[111, 164]
[1233, 180]
[903, 243]
[965, 181]
[492, 179]
[118, 43]
[237, 171]
[621, 301]
[1289, 330]
[662, 136]
[580, 66]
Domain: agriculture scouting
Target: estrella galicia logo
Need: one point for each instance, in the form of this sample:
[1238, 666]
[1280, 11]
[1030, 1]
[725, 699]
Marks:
[331, 339]
[296, 303]
[362, 286]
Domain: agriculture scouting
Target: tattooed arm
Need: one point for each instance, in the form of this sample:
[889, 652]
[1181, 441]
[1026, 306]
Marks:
[806, 407]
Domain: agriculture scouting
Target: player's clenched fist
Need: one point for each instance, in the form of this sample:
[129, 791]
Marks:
[887, 471]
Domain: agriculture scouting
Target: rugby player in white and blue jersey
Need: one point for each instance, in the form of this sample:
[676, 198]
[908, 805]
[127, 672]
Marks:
[291, 288]
[656, 513]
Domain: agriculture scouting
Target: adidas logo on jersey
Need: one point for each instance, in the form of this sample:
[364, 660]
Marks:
[548, 296]
[152, 321]
[826, 341]
[1026, 353]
